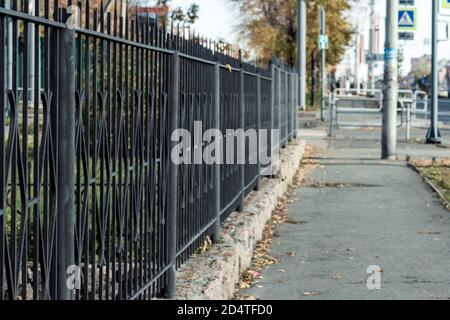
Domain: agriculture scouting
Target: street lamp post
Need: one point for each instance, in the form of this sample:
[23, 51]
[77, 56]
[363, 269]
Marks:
[433, 134]
[301, 52]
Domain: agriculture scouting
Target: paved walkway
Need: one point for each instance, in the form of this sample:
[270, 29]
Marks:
[354, 212]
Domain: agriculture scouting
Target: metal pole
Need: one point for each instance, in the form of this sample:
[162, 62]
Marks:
[9, 49]
[371, 78]
[297, 80]
[66, 162]
[242, 143]
[286, 118]
[294, 115]
[272, 97]
[216, 236]
[301, 60]
[313, 77]
[170, 290]
[433, 134]
[30, 42]
[330, 104]
[389, 136]
[408, 122]
[272, 104]
[258, 121]
[280, 124]
[323, 80]
[357, 59]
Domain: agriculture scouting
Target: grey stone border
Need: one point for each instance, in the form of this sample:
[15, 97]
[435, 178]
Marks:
[213, 275]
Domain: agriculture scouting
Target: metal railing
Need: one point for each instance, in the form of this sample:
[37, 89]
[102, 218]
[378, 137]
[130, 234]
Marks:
[411, 104]
[91, 205]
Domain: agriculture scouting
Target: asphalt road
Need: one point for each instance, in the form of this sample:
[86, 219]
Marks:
[444, 110]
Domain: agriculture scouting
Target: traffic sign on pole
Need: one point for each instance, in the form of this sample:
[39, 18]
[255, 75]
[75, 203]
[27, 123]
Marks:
[406, 2]
[407, 19]
[444, 7]
[406, 35]
[323, 42]
[374, 57]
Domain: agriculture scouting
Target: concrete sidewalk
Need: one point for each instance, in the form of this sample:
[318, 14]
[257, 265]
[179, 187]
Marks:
[354, 212]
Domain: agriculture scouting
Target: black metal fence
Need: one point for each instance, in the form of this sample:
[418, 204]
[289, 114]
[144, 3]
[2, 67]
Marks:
[91, 205]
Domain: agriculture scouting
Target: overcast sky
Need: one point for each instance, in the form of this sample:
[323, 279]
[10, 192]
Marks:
[216, 18]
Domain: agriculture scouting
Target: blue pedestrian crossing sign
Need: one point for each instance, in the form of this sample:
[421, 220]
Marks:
[407, 19]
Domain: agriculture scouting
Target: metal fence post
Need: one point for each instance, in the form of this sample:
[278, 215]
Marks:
[173, 177]
[66, 162]
[296, 106]
[272, 105]
[293, 103]
[288, 107]
[217, 199]
[242, 143]
[258, 128]
[279, 108]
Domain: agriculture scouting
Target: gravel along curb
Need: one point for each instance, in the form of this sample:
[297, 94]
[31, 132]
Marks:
[213, 275]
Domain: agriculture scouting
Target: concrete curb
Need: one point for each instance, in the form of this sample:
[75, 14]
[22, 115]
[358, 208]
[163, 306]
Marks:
[214, 274]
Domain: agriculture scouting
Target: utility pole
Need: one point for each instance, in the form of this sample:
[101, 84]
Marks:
[371, 78]
[389, 136]
[433, 134]
[323, 78]
[301, 45]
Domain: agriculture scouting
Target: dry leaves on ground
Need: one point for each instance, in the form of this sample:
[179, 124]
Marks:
[438, 172]
[307, 165]
[261, 257]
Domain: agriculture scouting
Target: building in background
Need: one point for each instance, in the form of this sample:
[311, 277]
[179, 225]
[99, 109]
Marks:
[419, 76]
